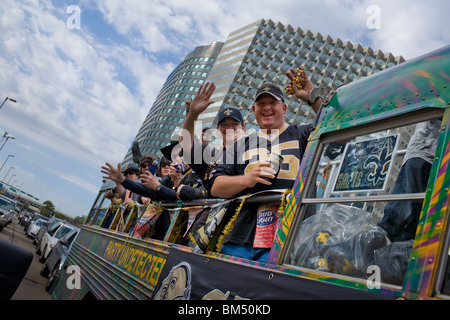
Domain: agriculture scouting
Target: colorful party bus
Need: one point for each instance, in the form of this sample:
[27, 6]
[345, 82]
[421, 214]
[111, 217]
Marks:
[367, 217]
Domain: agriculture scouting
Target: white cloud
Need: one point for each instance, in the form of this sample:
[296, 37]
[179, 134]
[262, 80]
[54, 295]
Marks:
[413, 29]
[408, 28]
[71, 90]
[139, 20]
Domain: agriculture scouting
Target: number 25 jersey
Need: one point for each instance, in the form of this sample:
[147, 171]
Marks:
[290, 142]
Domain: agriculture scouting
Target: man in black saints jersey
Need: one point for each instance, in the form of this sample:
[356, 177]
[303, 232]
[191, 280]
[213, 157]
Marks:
[245, 169]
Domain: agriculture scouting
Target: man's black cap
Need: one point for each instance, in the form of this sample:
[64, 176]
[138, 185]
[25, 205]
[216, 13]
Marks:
[271, 89]
[131, 170]
[229, 113]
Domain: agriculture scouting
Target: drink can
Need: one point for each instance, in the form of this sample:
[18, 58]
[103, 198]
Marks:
[276, 160]
[266, 224]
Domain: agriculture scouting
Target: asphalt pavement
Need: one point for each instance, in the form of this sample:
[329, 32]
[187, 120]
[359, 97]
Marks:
[32, 286]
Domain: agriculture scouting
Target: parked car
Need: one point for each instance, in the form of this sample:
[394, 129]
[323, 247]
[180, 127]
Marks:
[51, 223]
[34, 227]
[55, 260]
[7, 211]
[51, 237]
[36, 217]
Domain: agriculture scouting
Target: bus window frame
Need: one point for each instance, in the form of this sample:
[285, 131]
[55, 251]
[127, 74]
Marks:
[306, 197]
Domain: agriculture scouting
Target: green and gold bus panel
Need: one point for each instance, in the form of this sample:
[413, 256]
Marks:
[367, 217]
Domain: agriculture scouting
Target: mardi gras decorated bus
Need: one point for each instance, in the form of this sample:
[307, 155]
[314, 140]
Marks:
[367, 217]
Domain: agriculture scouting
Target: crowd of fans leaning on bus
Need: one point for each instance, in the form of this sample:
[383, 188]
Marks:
[171, 177]
[235, 169]
[214, 177]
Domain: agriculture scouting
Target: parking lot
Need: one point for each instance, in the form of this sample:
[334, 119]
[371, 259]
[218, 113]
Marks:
[33, 285]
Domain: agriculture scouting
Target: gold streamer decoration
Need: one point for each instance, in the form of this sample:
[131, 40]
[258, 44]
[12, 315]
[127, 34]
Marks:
[230, 224]
[283, 204]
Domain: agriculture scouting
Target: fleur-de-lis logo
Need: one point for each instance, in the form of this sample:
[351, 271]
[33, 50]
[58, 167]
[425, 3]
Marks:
[322, 237]
[379, 163]
[228, 112]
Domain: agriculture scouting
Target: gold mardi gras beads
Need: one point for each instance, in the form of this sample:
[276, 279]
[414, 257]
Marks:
[299, 78]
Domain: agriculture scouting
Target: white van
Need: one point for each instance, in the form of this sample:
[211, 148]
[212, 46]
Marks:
[51, 238]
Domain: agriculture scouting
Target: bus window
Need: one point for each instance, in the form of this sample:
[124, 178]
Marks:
[361, 208]
[99, 210]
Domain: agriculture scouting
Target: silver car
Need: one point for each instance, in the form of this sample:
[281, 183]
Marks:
[52, 237]
[34, 227]
[7, 211]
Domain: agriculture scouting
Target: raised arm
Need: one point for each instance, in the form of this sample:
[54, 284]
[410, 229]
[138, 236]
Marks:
[304, 94]
[114, 174]
[194, 108]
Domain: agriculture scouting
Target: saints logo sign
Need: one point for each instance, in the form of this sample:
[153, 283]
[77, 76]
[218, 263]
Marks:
[366, 165]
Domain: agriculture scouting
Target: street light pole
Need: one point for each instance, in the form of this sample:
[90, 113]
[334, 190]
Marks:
[4, 135]
[7, 173]
[7, 138]
[10, 179]
[12, 100]
[10, 155]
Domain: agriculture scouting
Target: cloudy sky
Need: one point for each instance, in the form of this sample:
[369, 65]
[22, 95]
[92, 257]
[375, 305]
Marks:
[85, 73]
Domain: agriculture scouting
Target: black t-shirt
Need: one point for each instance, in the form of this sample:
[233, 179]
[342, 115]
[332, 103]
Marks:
[290, 142]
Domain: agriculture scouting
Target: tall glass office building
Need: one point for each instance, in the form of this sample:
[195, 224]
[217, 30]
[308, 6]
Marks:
[265, 50]
[260, 52]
